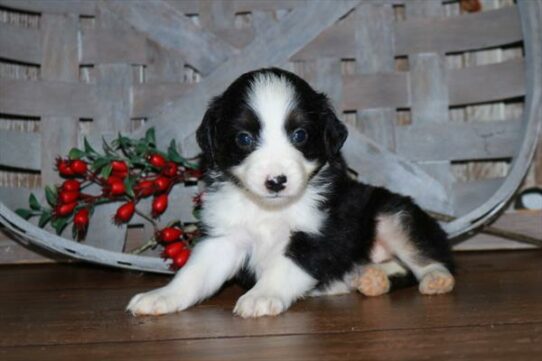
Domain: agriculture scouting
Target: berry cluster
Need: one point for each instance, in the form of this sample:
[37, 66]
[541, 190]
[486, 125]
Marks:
[127, 172]
[175, 241]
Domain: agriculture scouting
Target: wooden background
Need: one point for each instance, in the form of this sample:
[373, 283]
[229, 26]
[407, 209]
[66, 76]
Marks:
[448, 99]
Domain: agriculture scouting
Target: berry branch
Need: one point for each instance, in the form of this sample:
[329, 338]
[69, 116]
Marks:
[127, 171]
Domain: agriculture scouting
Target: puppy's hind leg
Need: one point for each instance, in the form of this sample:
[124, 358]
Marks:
[376, 279]
[213, 261]
[419, 242]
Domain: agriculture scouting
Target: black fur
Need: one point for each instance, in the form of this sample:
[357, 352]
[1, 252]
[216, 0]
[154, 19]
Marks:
[348, 234]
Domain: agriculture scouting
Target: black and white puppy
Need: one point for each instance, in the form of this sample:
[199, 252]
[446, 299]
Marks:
[281, 211]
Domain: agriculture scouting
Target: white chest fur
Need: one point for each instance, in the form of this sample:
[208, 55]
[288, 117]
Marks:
[262, 231]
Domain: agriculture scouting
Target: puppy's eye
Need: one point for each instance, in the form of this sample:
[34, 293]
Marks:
[299, 136]
[244, 140]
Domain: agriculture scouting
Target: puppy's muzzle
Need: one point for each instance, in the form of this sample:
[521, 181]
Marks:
[276, 184]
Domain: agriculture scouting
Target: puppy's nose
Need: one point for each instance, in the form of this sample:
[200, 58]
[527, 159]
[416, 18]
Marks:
[276, 184]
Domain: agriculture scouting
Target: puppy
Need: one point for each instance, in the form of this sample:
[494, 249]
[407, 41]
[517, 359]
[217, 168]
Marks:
[282, 214]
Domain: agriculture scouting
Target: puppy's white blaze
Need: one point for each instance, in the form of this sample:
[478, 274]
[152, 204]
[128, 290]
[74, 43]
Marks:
[272, 98]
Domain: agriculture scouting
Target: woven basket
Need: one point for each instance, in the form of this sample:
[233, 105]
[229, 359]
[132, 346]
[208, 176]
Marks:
[431, 95]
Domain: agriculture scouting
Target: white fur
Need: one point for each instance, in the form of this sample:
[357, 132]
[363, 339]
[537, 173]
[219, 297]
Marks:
[241, 229]
[272, 98]
[246, 224]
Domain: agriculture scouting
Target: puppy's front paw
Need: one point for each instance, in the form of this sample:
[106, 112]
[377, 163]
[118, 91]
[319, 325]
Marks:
[257, 305]
[156, 302]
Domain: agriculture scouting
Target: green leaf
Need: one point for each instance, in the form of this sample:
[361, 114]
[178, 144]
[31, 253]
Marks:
[99, 163]
[76, 153]
[51, 195]
[150, 136]
[88, 148]
[173, 154]
[24, 213]
[33, 202]
[59, 224]
[129, 185]
[106, 171]
[107, 148]
[44, 219]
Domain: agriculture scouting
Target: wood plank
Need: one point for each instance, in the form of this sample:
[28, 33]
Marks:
[47, 98]
[148, 97]
[268, 49]
[459, 141]
[10, 149]
[524, 222]
[60, 62]
[481, 299]
[85, 276]
[20, 44]
[471, 85]
[374, 54]
[458, 33]
[394, 172]
[99, 46]
[114, 99]
[170, 28]
[492, 343]
[479, 84]
[113, 94]
[324, 74]
[427, 87]
[365, 91]
[162, 66]
[470, 195]
[17, 199]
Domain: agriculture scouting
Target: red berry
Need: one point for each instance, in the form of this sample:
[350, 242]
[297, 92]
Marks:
[125, 213]
[71, 185]
[144, 188]
[170, 169]
[64, 210]
[170, 234]
[119, 168]
[162, 184]
[64, 168]
[115, 186]
[68, 197]
[173, 249]
[156, 160]
[159, 205]
[80, 220]
[180, 259]
[79, 167]
[194, 173]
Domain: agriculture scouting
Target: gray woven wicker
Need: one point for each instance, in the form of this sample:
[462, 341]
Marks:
[89, 86]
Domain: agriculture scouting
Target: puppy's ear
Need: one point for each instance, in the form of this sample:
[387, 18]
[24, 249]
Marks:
[335, 133]
[206, 133]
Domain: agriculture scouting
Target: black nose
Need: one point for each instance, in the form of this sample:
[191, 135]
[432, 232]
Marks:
[276, 184]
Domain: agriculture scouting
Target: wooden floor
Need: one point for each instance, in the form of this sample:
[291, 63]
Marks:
[76, 312]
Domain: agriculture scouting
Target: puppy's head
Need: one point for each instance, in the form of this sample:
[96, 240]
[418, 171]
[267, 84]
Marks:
[271, 132]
